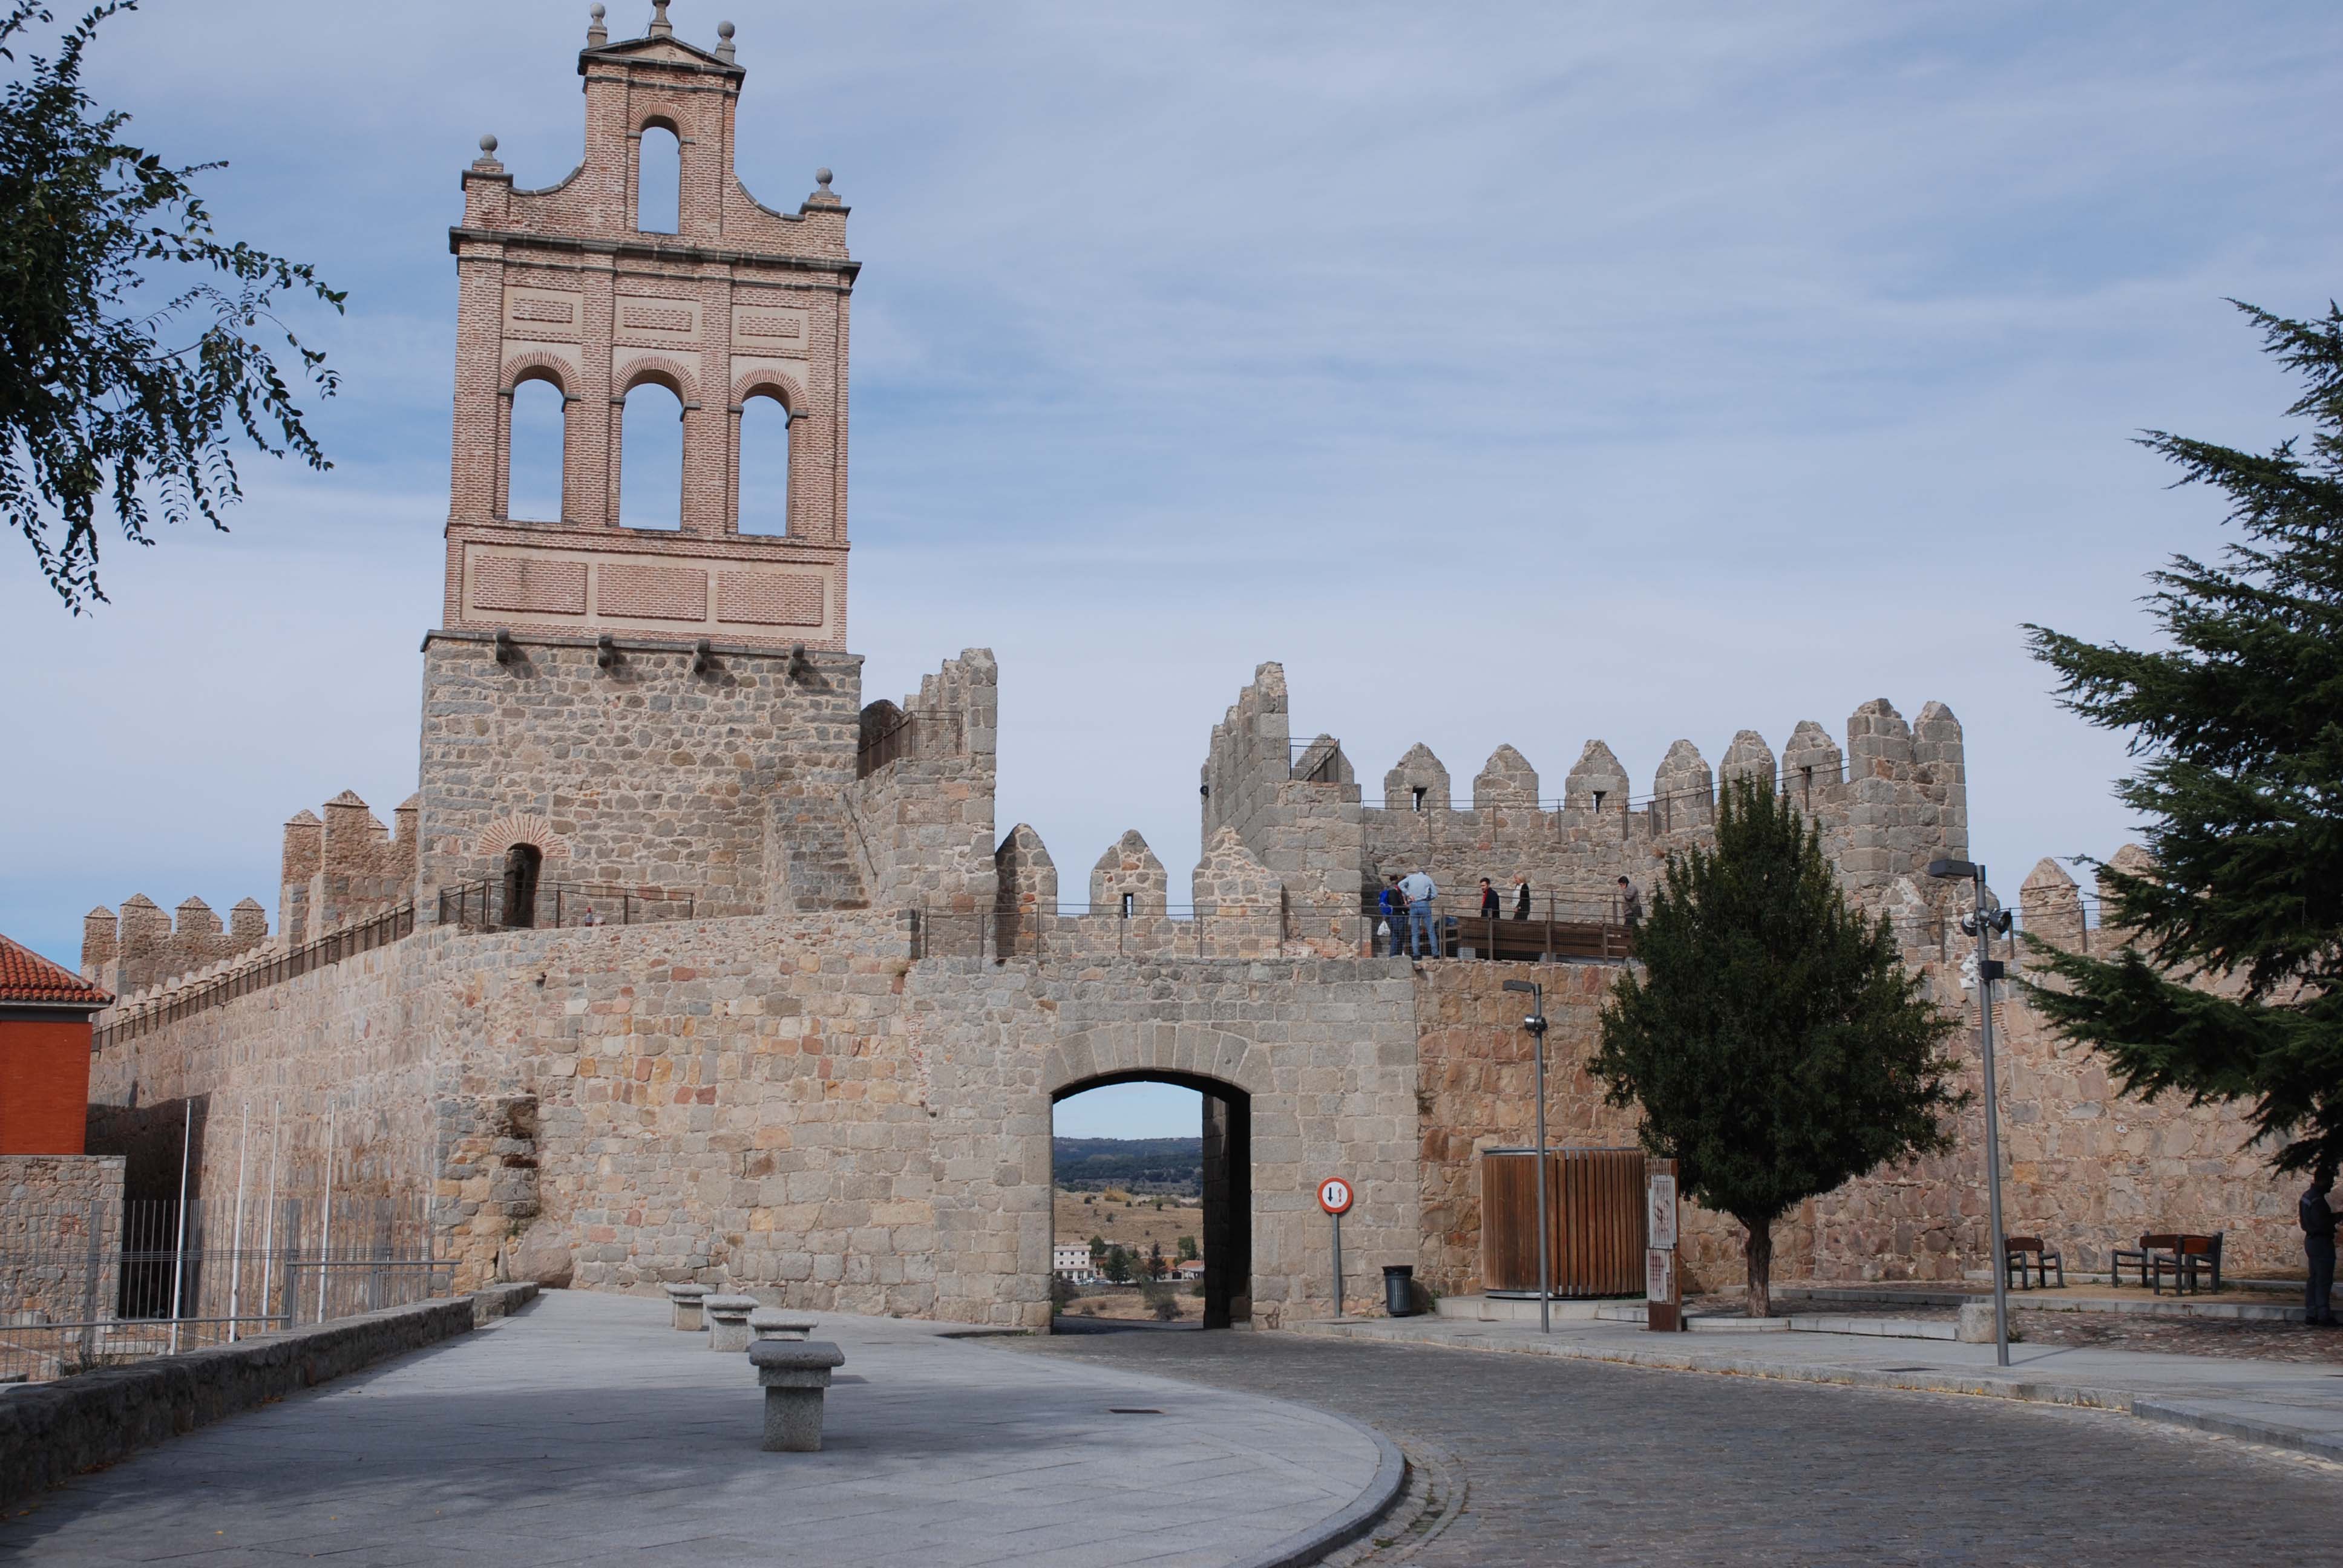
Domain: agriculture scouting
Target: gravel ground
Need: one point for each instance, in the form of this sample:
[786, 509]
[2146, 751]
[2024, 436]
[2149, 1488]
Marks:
[2263, 1342]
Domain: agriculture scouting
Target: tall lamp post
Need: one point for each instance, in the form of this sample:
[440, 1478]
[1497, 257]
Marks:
[1982, 923]
[1536, 1024]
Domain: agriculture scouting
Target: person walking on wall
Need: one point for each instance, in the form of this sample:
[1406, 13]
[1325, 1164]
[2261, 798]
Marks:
[1521, 896]
[2318, 1249]
[1419, 890]
[1631, 904]
[1488, 900]
[1393, 906]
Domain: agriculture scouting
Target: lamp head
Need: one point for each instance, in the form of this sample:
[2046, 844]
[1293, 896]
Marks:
[1521, 985]
[1965, 871]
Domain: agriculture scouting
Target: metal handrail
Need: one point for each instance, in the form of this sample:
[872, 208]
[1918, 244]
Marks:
[480, 905]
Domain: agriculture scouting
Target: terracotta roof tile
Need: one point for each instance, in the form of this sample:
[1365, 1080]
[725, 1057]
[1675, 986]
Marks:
[28, 979]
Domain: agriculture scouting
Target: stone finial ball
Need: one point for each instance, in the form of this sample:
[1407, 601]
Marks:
[488, 146]
[724, 29]
[596, 12]
[821, 178]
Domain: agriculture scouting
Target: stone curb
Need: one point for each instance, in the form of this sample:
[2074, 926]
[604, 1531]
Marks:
[1390, 1483]
[2077, 1395]
[2251, 1431]
[51, 1433]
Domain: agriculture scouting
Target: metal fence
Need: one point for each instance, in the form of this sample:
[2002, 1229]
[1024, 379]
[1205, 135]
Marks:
[490, 903]
[86, 1290]
[128, 1024]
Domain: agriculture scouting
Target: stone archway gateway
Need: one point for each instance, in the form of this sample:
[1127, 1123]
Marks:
[1227, 1180]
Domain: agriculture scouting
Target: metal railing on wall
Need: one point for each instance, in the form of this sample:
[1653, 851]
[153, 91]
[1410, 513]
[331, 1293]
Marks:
[144, 1018]
[82, 1289]
[483, 905]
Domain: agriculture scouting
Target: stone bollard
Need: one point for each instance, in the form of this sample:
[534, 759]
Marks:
[727, 1321]
[794, 1374]
[1975, 1325]
[775, 1323]
[684, 1302]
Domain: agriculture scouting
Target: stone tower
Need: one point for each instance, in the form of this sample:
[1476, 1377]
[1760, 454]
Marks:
[741, 302]
[619, 707]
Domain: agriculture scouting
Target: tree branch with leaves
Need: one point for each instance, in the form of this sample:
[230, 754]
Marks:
[135, 343]
[2231, 987]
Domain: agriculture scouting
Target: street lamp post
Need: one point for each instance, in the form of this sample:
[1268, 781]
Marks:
[1984, 923]
[1536, 1024]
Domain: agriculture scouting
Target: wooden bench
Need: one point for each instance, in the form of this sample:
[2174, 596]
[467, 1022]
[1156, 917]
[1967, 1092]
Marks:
[2014, 1252]
[2151, 1246]
[2190, 1258]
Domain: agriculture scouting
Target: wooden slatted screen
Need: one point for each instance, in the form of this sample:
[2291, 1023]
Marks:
[1595, 1222]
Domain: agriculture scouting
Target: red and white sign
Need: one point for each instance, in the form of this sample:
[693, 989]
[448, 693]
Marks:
[1334, 1195]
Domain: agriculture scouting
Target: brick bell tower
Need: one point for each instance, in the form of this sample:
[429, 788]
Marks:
[741, 302]
[610, 710]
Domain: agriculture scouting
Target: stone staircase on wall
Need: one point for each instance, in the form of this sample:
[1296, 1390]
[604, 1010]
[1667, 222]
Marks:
[823, 863]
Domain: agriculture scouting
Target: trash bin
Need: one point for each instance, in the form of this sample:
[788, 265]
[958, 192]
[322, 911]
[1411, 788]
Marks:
[1399, 1290]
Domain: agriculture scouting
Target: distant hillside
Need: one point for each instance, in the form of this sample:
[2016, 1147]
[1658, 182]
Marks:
[1142, 1164]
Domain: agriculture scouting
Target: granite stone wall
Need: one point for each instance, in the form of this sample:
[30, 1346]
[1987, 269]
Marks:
[60, 1236]
[640, 771]
[922, 821]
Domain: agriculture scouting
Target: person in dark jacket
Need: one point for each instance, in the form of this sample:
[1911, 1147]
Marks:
[1393, 906]
[1521, 896]
[1631, 904]
[2319, 1249]
[1488, 900]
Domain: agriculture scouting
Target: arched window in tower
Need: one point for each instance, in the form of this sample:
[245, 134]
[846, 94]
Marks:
[659, 182]
[533, 453]
[650, 459]
[764, 464]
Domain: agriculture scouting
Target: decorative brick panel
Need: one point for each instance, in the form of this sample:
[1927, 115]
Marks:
[537, 587]
[652, 593]
[770, 599]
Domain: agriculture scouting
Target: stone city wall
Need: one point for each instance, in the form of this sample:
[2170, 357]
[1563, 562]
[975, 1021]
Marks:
[923, 820]
[644, 772]
[1900, 802]
[60, 1236]
[1325, 1051]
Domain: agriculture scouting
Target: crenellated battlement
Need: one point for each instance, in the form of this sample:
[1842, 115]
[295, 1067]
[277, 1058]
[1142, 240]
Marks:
[1894, 799]
[919, 810]
[143, 947]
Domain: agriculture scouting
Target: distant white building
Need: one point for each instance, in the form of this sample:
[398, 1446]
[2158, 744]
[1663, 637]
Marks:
[1072, 1263]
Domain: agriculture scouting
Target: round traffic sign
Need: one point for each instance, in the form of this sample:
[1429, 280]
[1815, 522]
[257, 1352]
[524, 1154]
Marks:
[1334, 1195]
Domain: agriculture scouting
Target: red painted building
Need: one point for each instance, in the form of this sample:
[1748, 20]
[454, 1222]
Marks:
[44, 1011]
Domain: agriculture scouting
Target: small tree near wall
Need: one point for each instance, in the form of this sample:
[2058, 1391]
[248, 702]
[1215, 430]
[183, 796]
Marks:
[1772, 1036]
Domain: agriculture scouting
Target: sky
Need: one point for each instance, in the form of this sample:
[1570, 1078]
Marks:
[1517, 372]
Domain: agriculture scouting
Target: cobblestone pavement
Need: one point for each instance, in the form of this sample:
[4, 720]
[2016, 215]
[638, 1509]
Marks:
[1568, 1462]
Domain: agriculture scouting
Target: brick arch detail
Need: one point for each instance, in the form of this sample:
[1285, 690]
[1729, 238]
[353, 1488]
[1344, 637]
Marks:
[1189, 1050]
[680, 378]
[767, 381]
[538, 366]
[520, 828]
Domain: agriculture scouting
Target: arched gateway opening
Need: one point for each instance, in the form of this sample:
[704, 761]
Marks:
[1226, 1168]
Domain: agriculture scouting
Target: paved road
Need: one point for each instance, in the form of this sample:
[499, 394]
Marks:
[1567, 1462]
[584, 1430]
